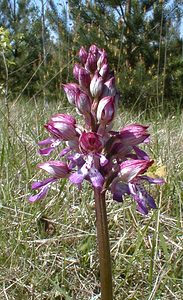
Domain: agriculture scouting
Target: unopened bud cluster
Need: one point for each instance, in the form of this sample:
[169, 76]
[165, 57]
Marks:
[109, 160]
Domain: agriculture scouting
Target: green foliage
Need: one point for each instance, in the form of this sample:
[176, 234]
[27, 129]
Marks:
[141, 38]
[41, 263]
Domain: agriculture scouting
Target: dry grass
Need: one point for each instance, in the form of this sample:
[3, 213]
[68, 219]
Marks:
[48, 249]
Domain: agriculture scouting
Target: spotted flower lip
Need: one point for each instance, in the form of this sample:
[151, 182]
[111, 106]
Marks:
[143, 199]
[89, 172]
[91, 151]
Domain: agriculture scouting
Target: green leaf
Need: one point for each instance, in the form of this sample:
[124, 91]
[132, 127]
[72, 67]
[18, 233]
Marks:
[163, 245]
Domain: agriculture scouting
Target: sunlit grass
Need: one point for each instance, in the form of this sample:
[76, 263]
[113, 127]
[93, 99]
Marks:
[48, 249]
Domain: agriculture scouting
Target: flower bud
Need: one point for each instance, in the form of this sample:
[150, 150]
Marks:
[133, 134]
[102, 60]
[62, 126]
[71, 90]
[90, 142]
[94, 50]
[83, 103]
[106, 110]
[84, 78]
[109, 88]
[83, 54]
[56, 168]
[91, 63]
[76, 69]
[96, 85]
[104, 71]
[61, 130]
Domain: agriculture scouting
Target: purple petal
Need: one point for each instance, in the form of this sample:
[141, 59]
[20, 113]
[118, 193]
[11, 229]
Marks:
[46, 151]
[77, 178]
[103, 160]
[65, 151]
[76, 160]
[147, 140]
[118, 189]
[153, 180]
[40, 184]
[140, 153]
[53, 143]
[96, 178]
[142, 209]
[42, 194]
[141, 203]
[117, 196]
[46, 141]
[80, 175]
[132, 189]
[151, 201]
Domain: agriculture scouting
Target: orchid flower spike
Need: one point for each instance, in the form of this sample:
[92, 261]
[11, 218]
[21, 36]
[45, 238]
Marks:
[107, 159]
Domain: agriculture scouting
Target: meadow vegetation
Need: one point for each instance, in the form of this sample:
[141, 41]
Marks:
[48, 249]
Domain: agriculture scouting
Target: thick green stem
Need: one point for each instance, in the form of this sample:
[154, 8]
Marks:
[103, 246]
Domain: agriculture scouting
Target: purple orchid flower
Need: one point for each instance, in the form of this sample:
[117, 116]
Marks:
[130, 182]
[57, 169]
[62, 127]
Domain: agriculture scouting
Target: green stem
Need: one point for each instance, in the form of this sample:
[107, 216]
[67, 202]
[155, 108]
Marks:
[103, 246]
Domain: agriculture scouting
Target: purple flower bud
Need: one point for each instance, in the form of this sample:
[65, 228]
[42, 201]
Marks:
[109, 88]
[64, 118]
[56, 168]
[96, 85]
[90, 142]
[130, 169]
[83, 103]
[84, 78]
[106, 110]
[91, 63]
[94, 50]
[62, 131]
[133, 134]
[104, 71]
[83, 54]
[71, 90]
[62, 126]
[102, 60]
[76, 69]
